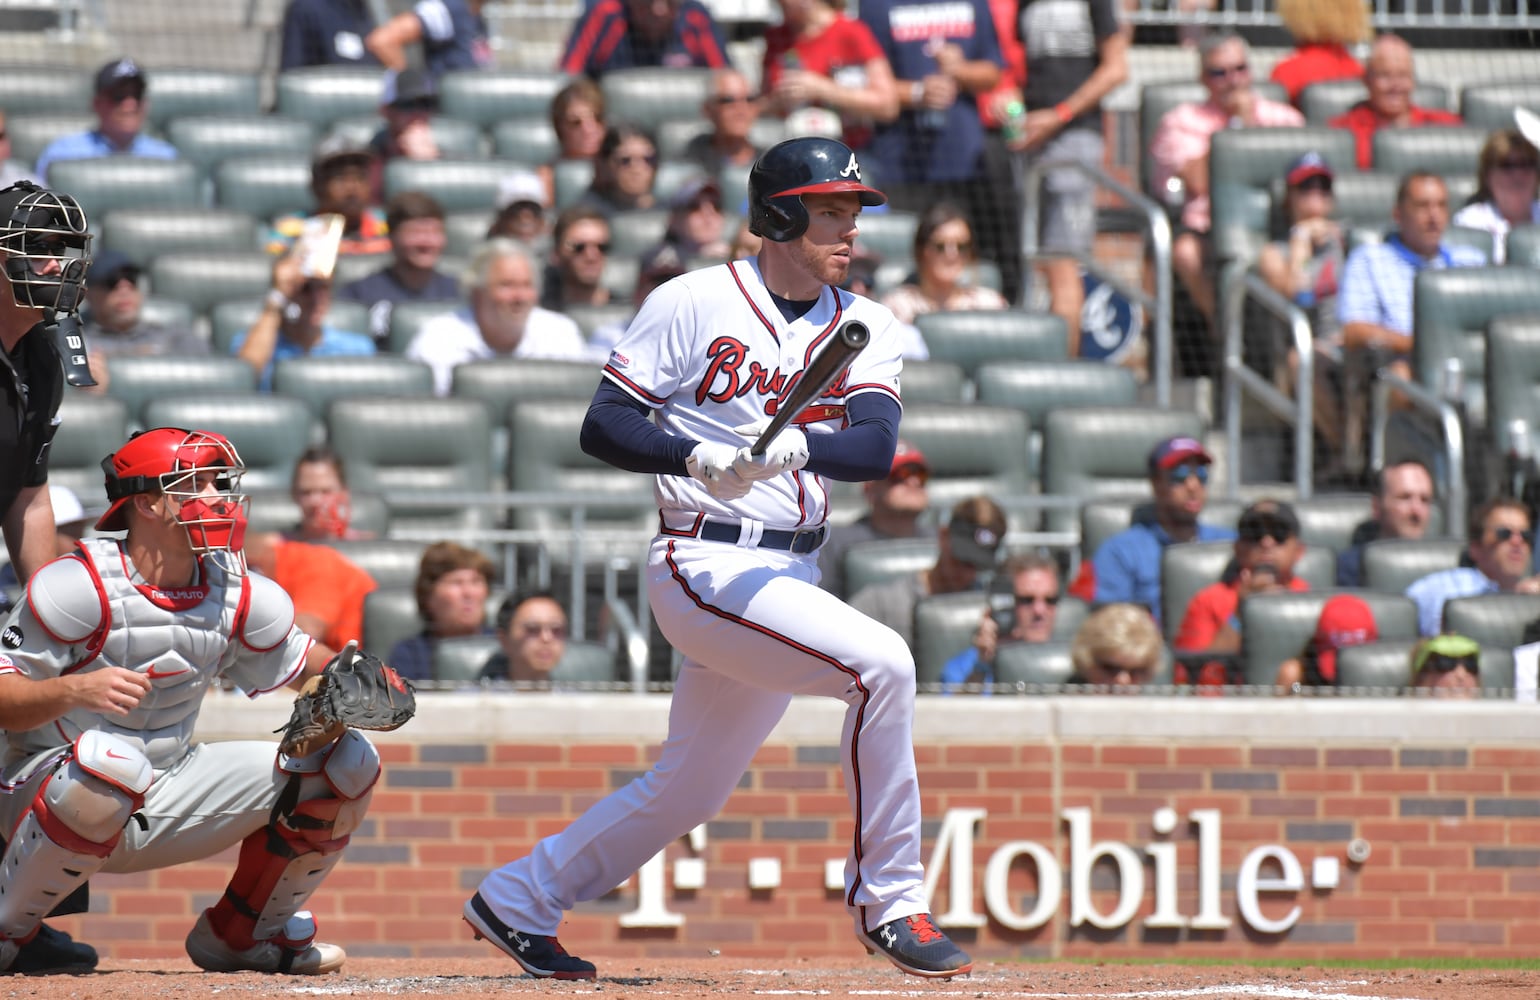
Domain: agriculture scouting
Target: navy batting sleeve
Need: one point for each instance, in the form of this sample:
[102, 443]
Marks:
[863, 451]
[619, 430]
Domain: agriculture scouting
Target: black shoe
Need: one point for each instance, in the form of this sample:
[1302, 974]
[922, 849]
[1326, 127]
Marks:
[539, 955]
[53, 951]
[920, 948]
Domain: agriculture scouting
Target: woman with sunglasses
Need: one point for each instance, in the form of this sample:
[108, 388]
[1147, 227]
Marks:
[1118, 648]
[624, 171]
[1447, 666]
[1507, 192]
[943, 277]
[819, 57]
[577, 117]
[532, 631]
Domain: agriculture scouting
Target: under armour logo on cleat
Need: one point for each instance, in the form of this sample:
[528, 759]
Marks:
[521, 943]
[889, 938]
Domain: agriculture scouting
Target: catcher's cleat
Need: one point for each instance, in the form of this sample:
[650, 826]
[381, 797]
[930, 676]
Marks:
[539, 955]
[51, 951]
[917, 946]
[209, 952]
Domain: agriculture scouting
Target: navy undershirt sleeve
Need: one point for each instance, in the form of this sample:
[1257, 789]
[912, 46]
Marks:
[863, 451]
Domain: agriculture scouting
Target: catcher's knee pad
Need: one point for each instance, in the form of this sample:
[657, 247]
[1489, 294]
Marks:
[284, 863]
[75, 819]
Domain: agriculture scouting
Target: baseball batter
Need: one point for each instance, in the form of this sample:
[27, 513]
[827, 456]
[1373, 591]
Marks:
[103, 670]
[733, 573]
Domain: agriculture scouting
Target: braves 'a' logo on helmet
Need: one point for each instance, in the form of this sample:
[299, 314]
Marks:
[787, 171]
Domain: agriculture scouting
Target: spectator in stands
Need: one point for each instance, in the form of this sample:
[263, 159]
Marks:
[1345, 620]
[522, 198]
[1389, 79]
[319, 488]
[660, 264]
[625, 34]
[1401, 507]
[820, 58]
[1508, 189]
[71, 521]
[732, 109]
[341, 182]
[1078, 53]
[1034, 583]
[1501, 549]
[416, 224]
[1126, 568]
[1305, 267]
[1323, 32]
[452, 586]
[580, 249]
[501, 320]
[453, 34]
[293, 324]
[11, 170]
[1180, 150]
[1375, 294]
[969, 545]
[1267, 548]
[577, 116]
[326, 33]
[328, 588]
[624, 171]
[945, 275]
[408, 105]
[894, 507]
[942, 60]
[1118, 646]
[532, 631]
[121, 106]
[1447, 666]
[114, 323]
[697, 227]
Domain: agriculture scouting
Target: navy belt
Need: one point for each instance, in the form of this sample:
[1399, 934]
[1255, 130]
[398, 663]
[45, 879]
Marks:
[802, 541]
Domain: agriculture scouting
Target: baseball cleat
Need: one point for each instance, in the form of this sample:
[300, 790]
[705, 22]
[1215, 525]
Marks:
[210, 953]
[917, 946]
[49, 952]
[539, 955]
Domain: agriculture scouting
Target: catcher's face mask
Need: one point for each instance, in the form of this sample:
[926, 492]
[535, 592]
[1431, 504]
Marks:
[199, 473]
[46, 246]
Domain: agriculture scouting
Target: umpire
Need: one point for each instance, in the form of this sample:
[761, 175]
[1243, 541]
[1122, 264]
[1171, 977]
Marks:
[45, 249]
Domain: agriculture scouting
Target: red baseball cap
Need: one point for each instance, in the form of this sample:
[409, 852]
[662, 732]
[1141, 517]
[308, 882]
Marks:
[1175, 451]
[1307, 166]
[1345, 621]
[906, 456]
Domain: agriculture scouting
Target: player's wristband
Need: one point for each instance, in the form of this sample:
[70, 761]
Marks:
[276, 300]
[1065, 114]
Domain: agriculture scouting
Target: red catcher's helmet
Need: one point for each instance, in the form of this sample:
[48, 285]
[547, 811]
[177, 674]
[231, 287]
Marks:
[168, 460]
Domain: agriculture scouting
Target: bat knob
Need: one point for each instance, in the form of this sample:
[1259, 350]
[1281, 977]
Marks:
[855, 334]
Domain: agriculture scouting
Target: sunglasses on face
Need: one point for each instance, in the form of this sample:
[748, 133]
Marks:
[1134, 673]
[584, 247]
[634, 159]
[1179, 474]
[1220, 72]
[726, 99]
[1027, 600]
[962, 248]
[1505, 533]
[531, 630]
[904, 473]
[1442, 663]
[1322, 184]
[1255, 531]
[4, 134]
[1516, 165]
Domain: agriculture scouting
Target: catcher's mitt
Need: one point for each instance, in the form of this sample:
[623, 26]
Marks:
[355, 690]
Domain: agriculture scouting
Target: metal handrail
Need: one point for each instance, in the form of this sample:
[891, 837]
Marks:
[1159, 228]
[1448, 416]
[1241, 284]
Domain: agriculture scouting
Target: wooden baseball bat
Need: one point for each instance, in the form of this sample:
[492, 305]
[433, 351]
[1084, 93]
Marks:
[848, 341]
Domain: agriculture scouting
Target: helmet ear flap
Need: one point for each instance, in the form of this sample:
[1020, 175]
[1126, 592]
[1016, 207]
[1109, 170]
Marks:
[783, 222]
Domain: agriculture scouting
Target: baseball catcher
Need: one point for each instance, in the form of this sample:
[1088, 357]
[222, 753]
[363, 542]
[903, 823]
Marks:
[103, 670]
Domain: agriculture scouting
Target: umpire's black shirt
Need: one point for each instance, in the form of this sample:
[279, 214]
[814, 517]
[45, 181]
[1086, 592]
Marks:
[31, 385]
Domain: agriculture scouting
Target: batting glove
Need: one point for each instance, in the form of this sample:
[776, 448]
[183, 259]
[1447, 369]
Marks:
[787, 452]
[712, 464]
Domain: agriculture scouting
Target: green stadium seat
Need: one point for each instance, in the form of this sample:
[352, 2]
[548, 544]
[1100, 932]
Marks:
[943, 627]
[1045, 664]
[671, 177]
[1094, 452]
[1490, 105]
[112, 182]
[1492, 619]
[264, 186]
[888, 234]
[488, 97]
[320, 382]
[529, 142]
[30, 134]
[1243, 164]
[1383, 664]
[145, 234]
[328, 94]
[460, 185]
[353, 266]
[972, 450]
[649, 96]
[1513, 380]
[971, 338]
[34, 89]
[1364, 200]
[544, 456]
[275, 510]
[229, 318]
[1040, 387]
[1322, 101]
[1329, 519]
[168, 312]
[1443, 149]
[392, 562]
[883, 559]
[269, 431]
[212, 139]
[465, 231]
[634, 233]
[1188, 567]
[571, 179]
[408, 317]
[1452, 310]
[139, 379]
[1155, 99]
[459, 660]
[933, 382]
[503, 382]
[203, 280]
[390, 615]
[183, 92]
[584, 663]
[620, 277]
[591, 318]
[1524, 246]
[455, 138]
[1277, 626]
[91, 427]
[1393, 564]
[1101, 519]
[734, 179]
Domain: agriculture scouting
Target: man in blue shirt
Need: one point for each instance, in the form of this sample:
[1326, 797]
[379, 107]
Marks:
[625, 34]
[293, 324]
[1127, 566]
[121, 105]
[417, 242]
[1502, 546]
[453, 34]
[326, 33]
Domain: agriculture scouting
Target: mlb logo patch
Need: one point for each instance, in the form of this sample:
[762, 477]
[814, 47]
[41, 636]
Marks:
[619, 360]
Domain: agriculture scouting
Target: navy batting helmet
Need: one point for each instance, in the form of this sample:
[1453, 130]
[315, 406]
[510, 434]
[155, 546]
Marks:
[787, 171]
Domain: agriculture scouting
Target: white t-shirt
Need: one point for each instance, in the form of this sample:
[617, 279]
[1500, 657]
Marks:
[454, 338]
[1484, 215]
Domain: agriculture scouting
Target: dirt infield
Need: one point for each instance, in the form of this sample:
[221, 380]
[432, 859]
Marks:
[727, 977]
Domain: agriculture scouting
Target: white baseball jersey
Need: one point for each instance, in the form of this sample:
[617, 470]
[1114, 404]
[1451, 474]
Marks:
[709, 351]
[84, 612]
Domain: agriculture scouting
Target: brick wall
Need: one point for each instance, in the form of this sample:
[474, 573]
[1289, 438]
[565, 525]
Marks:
[1447, 798]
